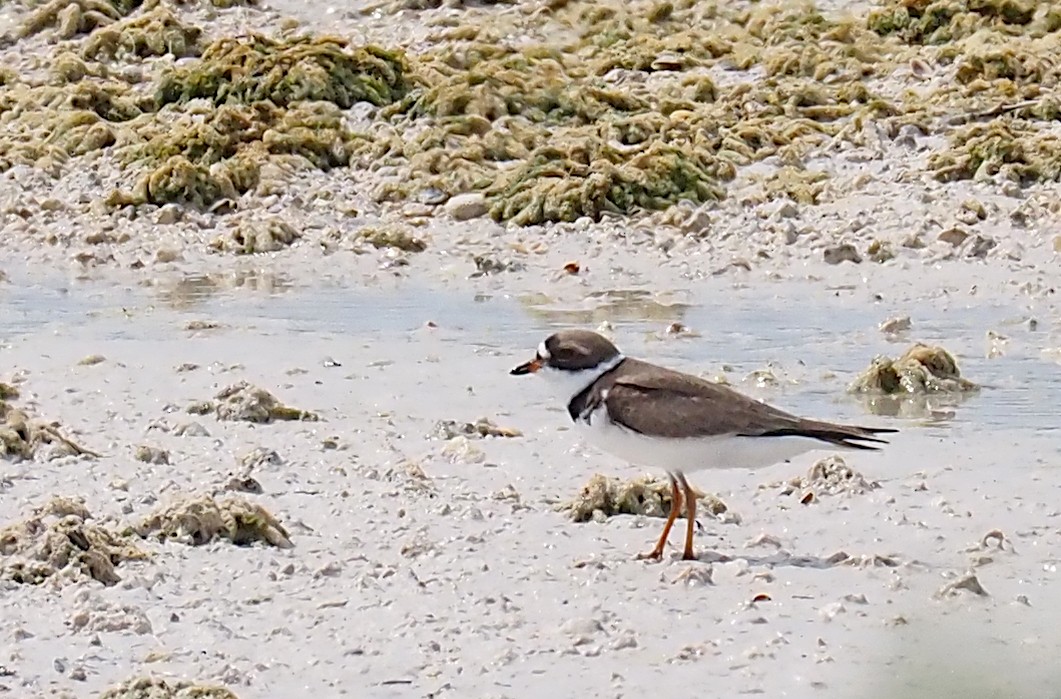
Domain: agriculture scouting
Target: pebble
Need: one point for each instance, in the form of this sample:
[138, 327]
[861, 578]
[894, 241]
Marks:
[955, 236]
[169, 213]
[464, 207]
[844, 252]
[786, 208]
[981, 245]
[894, 325]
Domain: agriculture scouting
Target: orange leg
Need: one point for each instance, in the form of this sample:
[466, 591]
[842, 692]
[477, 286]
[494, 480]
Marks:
[690, 516]
[675, 506]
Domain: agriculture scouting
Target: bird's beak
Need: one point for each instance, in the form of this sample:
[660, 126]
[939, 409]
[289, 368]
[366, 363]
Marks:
[527, 367]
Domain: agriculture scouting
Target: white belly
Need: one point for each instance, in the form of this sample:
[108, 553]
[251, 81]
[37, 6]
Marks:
[693, 454]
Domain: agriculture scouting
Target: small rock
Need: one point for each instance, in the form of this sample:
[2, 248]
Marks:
[764, 539]
[696, 223]
[582, 630]
[895, 325]
[466, 206]
[841, 253]
[165, 255]
[975, 208]
[880, 251]
[191, 429]
[461, 450]
[981, 245]
[909, 135]
[626, 639]
[432, 196]
[786, 208]
[152, 455]
[955, 236]
[170, 213]
[831, 611]
[92, 360]
[968, 582]
[787, 232]
[696, 575]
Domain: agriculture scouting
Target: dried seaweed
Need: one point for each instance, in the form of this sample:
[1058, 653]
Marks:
[200, 519]
[251, 236]
[56, 540]
[921, 369]
[604, 497]
[158, 688]
[22, 436]
[242, 401]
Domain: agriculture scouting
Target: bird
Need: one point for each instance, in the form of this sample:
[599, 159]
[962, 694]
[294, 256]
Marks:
[653, 416]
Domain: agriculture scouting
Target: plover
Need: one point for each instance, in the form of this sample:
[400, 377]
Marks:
[652, 416]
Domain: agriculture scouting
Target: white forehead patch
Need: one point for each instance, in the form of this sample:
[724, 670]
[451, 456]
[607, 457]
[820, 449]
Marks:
[542, 351]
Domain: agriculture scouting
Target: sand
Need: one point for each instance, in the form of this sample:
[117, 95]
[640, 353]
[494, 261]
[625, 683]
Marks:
[425, 563]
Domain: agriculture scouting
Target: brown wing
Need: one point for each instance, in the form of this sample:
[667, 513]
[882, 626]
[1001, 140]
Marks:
[673, 404]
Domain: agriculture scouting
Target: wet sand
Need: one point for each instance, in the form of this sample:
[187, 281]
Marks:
[426, 566]
[423, 565]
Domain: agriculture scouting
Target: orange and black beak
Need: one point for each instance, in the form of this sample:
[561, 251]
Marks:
[527, 367]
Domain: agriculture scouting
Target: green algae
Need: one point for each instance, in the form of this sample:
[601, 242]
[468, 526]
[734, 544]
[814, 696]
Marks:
[599, 109]
[1011, 149]
[199, 154]
[154, 33]
[593, 177]
[943, 21]
[46, 125]
[253, 68]
[72, 17]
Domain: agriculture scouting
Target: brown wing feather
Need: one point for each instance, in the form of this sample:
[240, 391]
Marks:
[673, 404]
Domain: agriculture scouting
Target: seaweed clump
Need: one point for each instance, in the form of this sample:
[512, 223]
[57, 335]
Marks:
[248, 101]
[829, 476]
[73, 17]
[199, 520]
[921, 369]
[244, 70]
[46, 125]
[22, 436]
[57, 540]
[592, 178]
[251, 236]
[242, 401]
[153, 33]
[205, 154]
[942, 21]
[158, 688]
[396, 237]
[1001, 147]
[554, 132]
[604, 497]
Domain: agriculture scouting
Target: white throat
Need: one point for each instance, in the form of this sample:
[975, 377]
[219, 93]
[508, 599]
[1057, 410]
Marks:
[568, 384]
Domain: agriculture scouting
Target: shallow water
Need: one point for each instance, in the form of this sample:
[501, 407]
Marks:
[816, 345]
